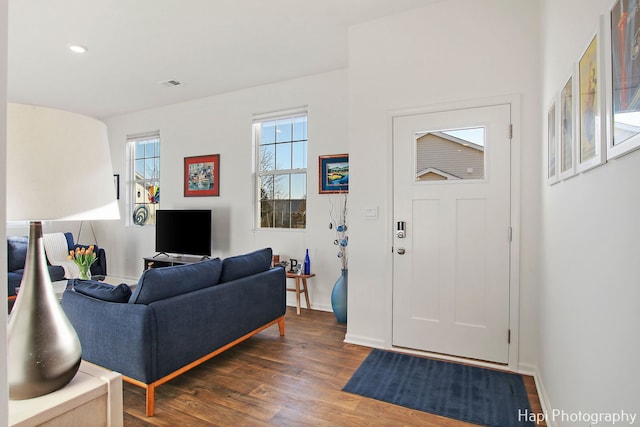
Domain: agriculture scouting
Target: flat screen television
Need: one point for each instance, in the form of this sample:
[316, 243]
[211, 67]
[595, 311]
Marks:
[184, 231]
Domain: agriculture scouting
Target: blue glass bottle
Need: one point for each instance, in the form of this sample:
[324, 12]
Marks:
[307, 263]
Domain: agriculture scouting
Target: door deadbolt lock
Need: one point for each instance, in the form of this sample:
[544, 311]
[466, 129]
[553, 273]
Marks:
[400, 251]
[400, 229]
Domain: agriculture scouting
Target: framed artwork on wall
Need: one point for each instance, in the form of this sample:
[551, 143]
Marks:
[116, 184]
[333, 173]
[552, 144]
[589, 152]
[622, 69]
[566, 134]
[202, 175]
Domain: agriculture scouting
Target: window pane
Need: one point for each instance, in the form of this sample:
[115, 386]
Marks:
[281, 187]
[282, 213]
[283, 156]
[152, 213]
[268, 132]
[139, 169]
[139, 149]
[153, 192]
[299, 128]
[452, 154]
[141, 214]
[298, 186]
[149, 168]
[266, 213]
[299, 155]
[267, 158]
[266, 187]
[145, 213]
[283, 130]
[139, 193]
[149, 148]
[298, 213]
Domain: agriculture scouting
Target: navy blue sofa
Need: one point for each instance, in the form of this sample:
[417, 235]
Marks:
[17, 255]
[177, 317]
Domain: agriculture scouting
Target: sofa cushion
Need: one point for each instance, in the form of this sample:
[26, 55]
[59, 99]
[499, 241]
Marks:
[16, 252]
[249, 264]
[14, 279]
[160, 283]
[69, 237]
[102, 291]
[56, 272]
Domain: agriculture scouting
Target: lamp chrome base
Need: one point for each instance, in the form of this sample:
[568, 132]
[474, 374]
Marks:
[44, 351]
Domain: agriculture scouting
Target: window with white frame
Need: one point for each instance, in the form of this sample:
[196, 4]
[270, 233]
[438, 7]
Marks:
[144, 178]
[281, 171]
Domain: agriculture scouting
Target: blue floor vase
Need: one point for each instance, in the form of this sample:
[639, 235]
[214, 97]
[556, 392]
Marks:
[339, 297]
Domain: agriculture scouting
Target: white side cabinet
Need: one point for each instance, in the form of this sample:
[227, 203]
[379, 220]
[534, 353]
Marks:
[92, 398]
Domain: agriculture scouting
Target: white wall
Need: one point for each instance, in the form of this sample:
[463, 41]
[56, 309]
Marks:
[590, 274]
[453, 51]
[222, 124]
[4, 390]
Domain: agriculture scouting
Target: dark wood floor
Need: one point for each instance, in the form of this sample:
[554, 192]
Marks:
[295, 380]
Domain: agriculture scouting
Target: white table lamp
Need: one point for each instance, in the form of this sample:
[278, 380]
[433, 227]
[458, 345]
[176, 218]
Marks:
[58, 168]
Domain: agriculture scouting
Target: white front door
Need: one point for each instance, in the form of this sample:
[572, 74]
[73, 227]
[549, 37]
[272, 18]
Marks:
[451, 186]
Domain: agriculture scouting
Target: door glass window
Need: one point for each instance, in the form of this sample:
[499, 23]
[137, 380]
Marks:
[451, 154]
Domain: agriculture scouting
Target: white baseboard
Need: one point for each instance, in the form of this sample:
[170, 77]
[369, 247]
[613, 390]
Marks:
[532, 370]
[364, 341]
[317, 307]
[527, 369]
[544, 398]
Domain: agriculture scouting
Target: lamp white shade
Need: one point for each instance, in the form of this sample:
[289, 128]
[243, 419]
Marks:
[58, 166]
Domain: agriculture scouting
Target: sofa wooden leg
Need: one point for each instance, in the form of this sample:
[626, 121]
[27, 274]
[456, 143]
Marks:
[151, 396]
[281, 326]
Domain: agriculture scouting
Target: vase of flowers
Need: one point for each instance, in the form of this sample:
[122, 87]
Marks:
[84, 258]
[338, 214]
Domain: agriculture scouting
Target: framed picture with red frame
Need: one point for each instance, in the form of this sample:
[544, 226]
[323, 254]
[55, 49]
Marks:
[202, 175]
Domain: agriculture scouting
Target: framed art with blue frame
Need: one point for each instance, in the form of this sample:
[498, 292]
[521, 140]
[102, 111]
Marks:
[333, 173]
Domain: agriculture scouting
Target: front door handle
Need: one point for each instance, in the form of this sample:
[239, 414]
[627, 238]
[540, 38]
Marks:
[400, 251]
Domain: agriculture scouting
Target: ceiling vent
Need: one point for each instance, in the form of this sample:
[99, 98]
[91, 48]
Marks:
[170, 83]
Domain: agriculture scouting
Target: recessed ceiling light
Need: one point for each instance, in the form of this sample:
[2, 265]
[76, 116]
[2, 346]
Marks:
[77, 48]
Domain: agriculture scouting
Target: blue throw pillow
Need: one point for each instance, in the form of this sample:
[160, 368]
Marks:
[249, 264]
[102, 291]
[165, 282]
[17, 252]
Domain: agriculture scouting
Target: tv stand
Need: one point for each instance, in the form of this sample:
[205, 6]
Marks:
[160, 253]
[165, 260]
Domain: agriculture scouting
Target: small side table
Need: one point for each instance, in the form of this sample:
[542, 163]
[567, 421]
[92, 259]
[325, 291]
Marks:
[300, 278]
[92, 398]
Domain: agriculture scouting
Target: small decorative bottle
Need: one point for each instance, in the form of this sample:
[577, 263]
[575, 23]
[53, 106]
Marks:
[307, 263]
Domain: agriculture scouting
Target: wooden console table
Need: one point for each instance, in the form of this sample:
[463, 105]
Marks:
[92, 398]
[300, 279]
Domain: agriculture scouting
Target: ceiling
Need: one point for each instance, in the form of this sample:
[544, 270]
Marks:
[209, 46]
